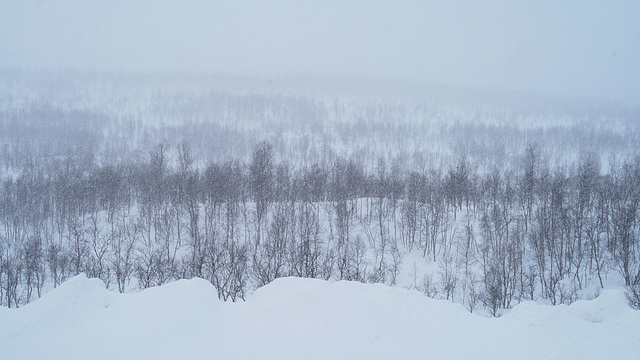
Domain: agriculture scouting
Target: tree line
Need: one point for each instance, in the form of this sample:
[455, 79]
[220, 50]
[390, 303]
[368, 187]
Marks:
[498, 237]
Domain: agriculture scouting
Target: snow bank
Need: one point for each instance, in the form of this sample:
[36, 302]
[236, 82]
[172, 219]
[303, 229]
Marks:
[306, 319]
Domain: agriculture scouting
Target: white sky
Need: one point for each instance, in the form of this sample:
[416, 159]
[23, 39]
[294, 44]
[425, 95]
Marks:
[575, 48]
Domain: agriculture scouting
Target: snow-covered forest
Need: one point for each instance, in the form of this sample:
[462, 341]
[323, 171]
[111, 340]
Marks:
[143, 179]
[328, 179]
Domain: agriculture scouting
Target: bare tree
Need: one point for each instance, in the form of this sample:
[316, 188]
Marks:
[261, 178]
[625, 200]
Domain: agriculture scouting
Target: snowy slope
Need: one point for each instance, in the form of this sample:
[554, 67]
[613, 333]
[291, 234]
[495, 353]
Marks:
[306, 319]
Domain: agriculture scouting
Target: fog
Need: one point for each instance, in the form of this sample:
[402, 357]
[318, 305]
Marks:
[576, 49]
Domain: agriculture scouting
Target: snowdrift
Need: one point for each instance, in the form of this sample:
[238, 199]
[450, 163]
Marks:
[295, 318]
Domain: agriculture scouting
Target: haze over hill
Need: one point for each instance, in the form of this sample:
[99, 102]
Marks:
[569, 49]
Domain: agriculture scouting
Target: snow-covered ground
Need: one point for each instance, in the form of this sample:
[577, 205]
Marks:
[295, 318]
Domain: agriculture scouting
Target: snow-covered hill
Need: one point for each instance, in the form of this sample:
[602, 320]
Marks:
[295, 318]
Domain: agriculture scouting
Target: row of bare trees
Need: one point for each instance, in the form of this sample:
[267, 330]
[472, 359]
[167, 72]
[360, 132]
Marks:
[529, 231]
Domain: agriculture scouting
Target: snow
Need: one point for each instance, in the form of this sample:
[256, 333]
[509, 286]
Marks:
[294, 318]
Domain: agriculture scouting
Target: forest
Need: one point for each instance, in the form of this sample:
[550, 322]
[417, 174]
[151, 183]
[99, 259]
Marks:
[140, 180]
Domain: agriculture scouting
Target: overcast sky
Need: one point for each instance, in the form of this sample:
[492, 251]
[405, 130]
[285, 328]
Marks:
[575, 48]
